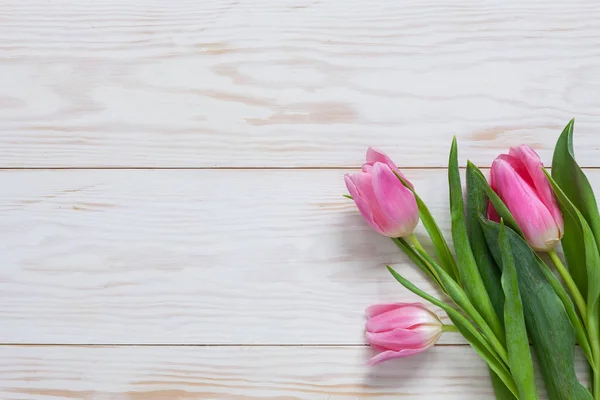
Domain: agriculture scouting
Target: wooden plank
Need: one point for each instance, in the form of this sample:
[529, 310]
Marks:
[292, 83]
[240, 373]
[195, 256]
[155, 256]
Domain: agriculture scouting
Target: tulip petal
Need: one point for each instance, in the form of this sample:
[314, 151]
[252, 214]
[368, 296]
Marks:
[531, 160]
[396, 201]
[360, 188]
[518, 166]
[399, 339]
[368, 168]
[375, 156]
[531, 214]
[378, 348]
[492, 213]
[389, 355]
[408, 316]
[377, 309]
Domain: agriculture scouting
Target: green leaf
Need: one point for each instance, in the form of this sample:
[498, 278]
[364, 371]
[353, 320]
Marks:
[435, 234]
[571, 179]
[477, 204]
[476, 176]
[348, 196]
[560, 291]
[573, 249]
[414, 256]
[460, 298]
[591, 265]
[517, 342]
[498, 369]
[500, 389]
[470, 279]
[470, 333]
[548, 325]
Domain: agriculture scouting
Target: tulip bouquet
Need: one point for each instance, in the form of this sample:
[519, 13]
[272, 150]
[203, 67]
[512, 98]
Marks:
[498, 286]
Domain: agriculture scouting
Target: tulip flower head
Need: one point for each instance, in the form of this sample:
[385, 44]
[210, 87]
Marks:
[387, 205]
[401, 330]
[518, 179]
[375, 156]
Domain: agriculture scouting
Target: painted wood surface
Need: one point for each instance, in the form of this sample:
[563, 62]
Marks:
[171, 179]
[147, 256]
[292, 83]
[200, 257]
[239, 373]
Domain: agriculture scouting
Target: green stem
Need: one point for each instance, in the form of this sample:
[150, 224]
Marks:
[496, 338]
[449, 328]
[596, 372]
[590, 323]
[595, 345]
[566, 277]
[412, 239]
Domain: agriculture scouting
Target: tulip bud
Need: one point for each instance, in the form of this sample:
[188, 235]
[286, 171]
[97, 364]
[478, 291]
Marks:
[401, 330]
[520, 182]
[386, 204]
[374, 156]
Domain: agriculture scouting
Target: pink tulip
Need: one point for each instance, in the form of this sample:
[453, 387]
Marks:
[401, 330]
[518, 179]
[388, 206]
[374, 156]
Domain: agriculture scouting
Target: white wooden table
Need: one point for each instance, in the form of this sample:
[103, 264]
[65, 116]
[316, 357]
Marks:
[171, 219]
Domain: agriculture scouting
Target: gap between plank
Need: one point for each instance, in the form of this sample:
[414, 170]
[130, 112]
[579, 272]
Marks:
[335, 168]
[195, 345]
[198, 168]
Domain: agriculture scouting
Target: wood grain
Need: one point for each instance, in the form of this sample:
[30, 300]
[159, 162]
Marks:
[292, 83]
[240, 373]
[149, 256]
[218, 254]
[195, 257]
